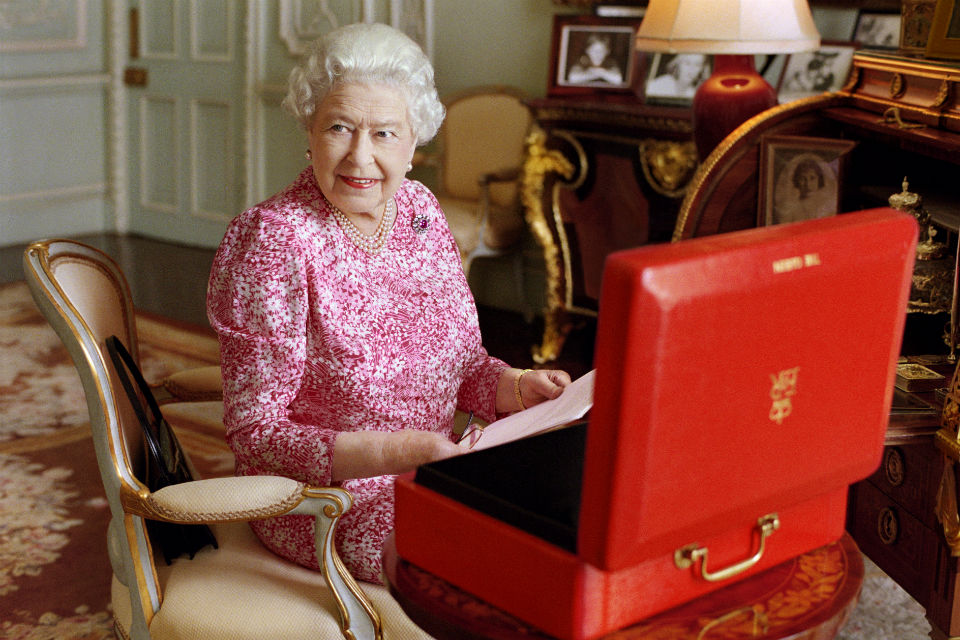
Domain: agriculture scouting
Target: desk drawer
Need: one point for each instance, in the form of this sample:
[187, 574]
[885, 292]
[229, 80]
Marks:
[898, 542]
[910, 476]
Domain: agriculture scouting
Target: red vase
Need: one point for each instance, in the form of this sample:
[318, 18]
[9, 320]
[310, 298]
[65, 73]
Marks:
[733, 94]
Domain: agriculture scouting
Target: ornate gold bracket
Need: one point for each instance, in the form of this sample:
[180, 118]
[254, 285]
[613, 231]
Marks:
[668, 166]
[947, 441]
[897, 86]
[540, 162]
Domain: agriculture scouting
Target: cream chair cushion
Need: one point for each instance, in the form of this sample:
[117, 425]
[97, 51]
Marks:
[242, 590]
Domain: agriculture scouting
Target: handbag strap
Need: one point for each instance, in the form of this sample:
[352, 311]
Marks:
[126, 368]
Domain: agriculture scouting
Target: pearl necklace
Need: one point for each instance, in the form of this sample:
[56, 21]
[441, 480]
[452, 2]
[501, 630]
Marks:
[371, 244]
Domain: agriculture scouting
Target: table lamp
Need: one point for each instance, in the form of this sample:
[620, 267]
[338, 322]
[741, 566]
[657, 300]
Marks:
[733, 31]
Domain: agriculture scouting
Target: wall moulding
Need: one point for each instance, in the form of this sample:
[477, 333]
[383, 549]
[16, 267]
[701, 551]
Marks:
[302, 21]
[52, 83]
[76, 191]
[52, 25]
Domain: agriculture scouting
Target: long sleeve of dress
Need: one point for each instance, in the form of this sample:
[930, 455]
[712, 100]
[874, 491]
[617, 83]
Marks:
[258, 306]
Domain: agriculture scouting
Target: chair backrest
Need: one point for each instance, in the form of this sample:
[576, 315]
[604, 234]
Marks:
[85, 297]
[484, 131]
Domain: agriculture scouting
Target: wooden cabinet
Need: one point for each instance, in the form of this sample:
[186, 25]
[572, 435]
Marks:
[599, 177]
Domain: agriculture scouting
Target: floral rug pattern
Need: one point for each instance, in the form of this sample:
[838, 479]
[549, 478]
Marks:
[36, 516]
[53, 515]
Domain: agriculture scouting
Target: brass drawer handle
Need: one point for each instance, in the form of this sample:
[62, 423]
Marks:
[685, 557]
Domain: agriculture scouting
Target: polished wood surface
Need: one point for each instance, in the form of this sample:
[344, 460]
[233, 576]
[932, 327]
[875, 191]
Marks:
[807, 598]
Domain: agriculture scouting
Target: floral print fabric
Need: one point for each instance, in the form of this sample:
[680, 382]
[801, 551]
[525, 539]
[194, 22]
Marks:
[318, 337]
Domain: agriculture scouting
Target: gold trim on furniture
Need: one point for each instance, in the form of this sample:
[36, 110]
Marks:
[668, 166]
[538, 163]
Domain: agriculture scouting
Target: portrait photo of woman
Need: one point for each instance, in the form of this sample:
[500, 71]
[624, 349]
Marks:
[806, 189]
[800, 178]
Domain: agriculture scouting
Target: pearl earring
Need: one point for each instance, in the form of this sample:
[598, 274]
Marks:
[409, 166]
[308, 155]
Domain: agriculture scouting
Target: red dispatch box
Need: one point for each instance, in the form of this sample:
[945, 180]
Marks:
[743, 381]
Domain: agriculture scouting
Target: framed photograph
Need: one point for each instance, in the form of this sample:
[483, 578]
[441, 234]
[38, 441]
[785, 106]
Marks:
[812, 72]
[944, 39]
[673, 78]
[594, 54]
[800, 178]
[877, 30]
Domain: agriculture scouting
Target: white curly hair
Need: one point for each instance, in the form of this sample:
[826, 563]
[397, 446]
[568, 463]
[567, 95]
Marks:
[367, 53]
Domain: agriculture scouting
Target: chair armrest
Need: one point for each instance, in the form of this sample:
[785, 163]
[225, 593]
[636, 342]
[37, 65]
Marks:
[234, 499]
[193, 385]
[501, 175]
[221, 500]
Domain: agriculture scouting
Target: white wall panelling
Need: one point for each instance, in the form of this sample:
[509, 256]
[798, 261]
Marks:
[117, 38]
[414, 18]
[68, 158]
[158, 29]
[212, 160]
[43, 26]
[159, 153]
[211, 35]
[302, 21]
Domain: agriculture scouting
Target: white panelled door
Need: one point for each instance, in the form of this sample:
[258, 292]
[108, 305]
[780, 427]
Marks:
[185, 100]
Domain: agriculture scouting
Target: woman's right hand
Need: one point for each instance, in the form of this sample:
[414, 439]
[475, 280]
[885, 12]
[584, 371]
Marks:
[363, 454]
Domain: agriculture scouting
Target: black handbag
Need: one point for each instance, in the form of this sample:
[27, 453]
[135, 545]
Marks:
[166, 464]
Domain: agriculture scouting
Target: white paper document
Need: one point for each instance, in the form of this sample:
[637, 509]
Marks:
[571, 405]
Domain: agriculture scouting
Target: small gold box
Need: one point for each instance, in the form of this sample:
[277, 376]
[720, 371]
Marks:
[916, 377]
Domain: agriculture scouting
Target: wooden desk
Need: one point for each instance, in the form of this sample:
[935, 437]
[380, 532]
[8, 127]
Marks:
[598, 177]
[893, 514]
[808, 598]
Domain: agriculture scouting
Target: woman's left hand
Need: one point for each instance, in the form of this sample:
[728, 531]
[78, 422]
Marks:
[522, 389]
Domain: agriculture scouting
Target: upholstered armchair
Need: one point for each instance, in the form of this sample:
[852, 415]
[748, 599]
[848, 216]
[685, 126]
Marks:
[239, 590]
[481, 148]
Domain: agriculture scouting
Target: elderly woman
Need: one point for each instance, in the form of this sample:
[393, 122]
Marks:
[348, 334]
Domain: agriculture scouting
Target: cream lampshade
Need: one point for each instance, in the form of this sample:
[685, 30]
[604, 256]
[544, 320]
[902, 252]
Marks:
[732, 30]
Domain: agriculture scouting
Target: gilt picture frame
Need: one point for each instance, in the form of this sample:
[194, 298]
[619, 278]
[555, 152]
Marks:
[944, 38]
[801, 178]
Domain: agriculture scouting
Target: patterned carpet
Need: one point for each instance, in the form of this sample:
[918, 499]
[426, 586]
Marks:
[54, 572]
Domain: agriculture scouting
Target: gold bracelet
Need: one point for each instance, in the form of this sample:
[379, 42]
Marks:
[516, 388]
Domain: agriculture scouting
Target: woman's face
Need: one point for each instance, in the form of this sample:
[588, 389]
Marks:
[597, 52]
[689, 68]
[361, 142]
[807, 182]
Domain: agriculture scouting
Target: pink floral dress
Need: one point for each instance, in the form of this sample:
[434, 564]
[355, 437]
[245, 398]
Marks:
[318, 337]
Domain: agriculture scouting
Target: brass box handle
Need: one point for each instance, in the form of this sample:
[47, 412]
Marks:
[685, 557]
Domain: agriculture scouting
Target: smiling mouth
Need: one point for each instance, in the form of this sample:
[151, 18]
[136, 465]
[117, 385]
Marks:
[358, 183]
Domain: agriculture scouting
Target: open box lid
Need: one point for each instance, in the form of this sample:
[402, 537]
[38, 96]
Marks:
[739, 373]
